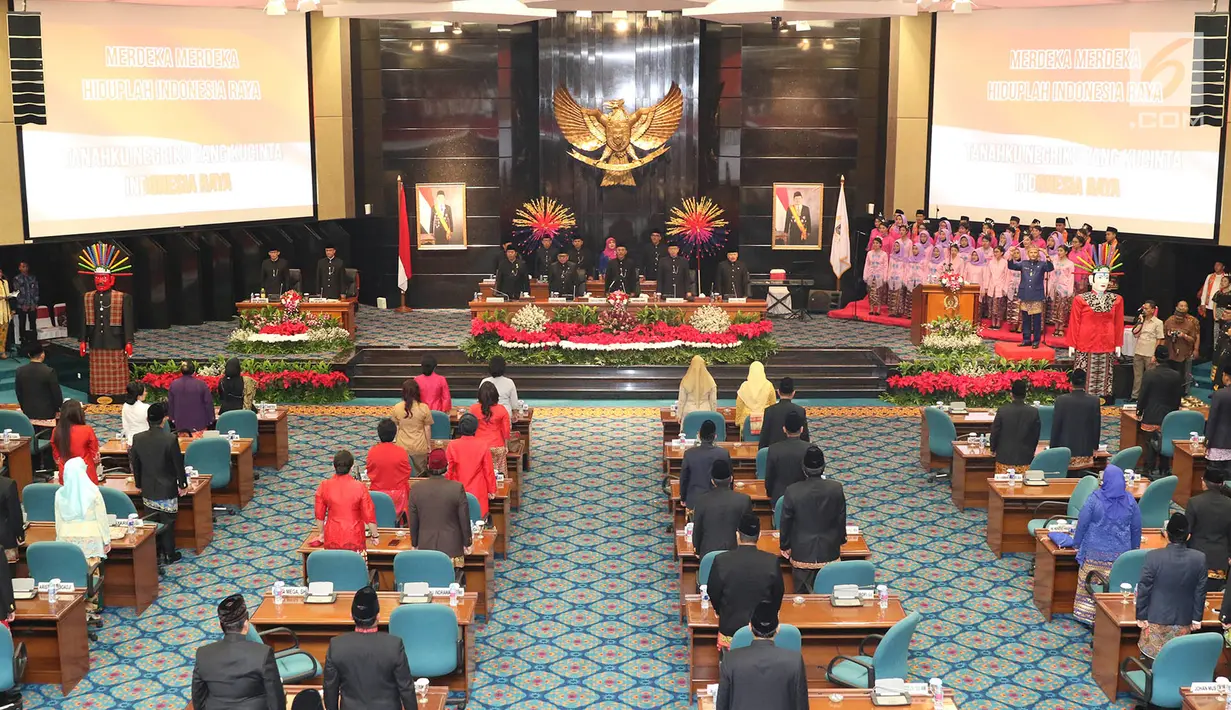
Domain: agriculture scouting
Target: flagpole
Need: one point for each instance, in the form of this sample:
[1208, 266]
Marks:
[402, 216]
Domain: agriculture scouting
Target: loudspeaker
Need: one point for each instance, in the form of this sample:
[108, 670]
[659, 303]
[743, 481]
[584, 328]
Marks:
[26, 68]
[821, 301]
[1209, 85]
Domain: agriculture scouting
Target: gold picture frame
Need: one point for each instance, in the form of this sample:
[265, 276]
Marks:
[797, 215]
[439, 223]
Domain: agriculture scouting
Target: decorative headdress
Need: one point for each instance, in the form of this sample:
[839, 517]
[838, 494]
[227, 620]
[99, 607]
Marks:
[1104, 258]
[99, 258]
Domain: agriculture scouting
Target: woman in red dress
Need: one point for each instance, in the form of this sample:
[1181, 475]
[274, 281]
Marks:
[344, 509]
[389, 467]
[494, 424]
[76, 437]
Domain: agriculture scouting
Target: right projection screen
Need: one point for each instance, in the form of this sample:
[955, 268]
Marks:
[1076, 112]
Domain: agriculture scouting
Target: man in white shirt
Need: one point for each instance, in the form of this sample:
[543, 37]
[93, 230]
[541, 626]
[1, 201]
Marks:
[504, 386]
[1149, 334]
[1205, 309]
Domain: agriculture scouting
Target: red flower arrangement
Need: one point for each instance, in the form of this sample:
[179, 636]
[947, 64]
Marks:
[285, 328]
[594, 334]
[265, 381]
[929, 383]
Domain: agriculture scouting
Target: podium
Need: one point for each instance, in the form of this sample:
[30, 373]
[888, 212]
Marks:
[931, 301]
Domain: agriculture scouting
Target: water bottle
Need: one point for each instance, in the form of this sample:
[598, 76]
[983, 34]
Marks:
[675, 409]
[132, 523]
[455, 594]
[52, 590]
[278, 592]
[938, 693]
[882, 594]
[705, 597]
[688, 532]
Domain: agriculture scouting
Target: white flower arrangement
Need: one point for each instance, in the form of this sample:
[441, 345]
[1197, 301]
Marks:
[710, 319]
[951, 342]
[316, 334]
[530, 319]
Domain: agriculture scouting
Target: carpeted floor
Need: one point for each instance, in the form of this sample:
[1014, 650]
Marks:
[585, 609]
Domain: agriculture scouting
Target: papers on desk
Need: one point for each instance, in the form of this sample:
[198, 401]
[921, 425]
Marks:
[898, 686]
[981, 417]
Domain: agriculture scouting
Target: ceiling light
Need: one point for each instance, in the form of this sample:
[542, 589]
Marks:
[620, 14]
[275, 7]
[621, 25]
[827, 45]
[416, 46]
[442, 46]
[805, 44]
[653, 14]
[437, 27]
[308, 5]
[802, 26]
[585, 13]
[457, 28]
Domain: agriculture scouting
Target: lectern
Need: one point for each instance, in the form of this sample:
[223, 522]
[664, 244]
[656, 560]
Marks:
[931, 301]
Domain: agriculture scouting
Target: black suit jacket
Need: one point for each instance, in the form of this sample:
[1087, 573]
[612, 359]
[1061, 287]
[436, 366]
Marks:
[1162, 389]
[731, 280]
[368, 671]
[1076, 423]
[38, 390]
[674, 277]
[784, 465]
[275, 275]
[739, 580]
[1015, 434]
[512, 277]
[442, 225]
[157, 464]
[623, 276]
[581, 260]
[440, 516]
[560, 278]
[813, 520]
[695, 471]
[1217, 427]
[12, 530]
[1209, 519]
[1172, 587]
[762, 677]
[774, 422]
[543, 259]
[236, 674]
[715, 519]
[331, 284]
[792, 229]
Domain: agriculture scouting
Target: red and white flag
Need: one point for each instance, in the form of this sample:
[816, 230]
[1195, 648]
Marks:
[403, 240]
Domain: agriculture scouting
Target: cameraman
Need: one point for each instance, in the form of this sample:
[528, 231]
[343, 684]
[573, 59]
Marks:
[1183, 333]
[1149, 334]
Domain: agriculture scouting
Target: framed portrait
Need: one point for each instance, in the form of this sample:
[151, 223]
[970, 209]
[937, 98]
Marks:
[797, 216]
[440, 211]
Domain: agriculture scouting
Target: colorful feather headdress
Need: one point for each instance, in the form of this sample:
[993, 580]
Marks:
[100, 258]
[1104, 258]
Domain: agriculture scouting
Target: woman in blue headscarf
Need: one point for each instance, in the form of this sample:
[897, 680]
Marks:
[1108, 525]
[81, 516]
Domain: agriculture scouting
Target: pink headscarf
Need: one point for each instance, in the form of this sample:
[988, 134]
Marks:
[610, 251]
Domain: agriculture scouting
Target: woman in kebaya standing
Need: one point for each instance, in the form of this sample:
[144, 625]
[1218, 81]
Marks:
[1062, 288]
[876, 276]
[976, 273]
[996, 287]
[897, 272]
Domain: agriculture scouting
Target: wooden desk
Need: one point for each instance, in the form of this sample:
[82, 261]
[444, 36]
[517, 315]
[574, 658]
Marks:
[753, 306]
[273, 439]
[856, 548]
[194, 525]
[55, 638]
[974, 466]
[852, 699]
[497, 508]
[1010, 509]
[343, 310]
[1131, 434]
[538, 289]
[1188, 465]
[1055, 571]
[437, 696]
[671, 424]
[479, 567]
[743, 458]
[521, 424]
[962, 423]
[754, 489]
[826, 631]
[19, 460]
[1116, 635]
[1204, 701]
[130, 572]
[237, 493]
[317, 624]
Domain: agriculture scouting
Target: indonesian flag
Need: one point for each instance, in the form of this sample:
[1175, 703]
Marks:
[403, 241]
[840, 250]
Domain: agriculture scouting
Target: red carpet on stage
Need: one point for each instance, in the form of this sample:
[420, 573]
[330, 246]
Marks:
[1017, 351]
[859, 311]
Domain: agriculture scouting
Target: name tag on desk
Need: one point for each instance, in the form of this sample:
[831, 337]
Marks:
[675, 300]
[1206, 688]
[737, 300]
[495, 299]
[43, 587]
[1006, 477]
[852, 530]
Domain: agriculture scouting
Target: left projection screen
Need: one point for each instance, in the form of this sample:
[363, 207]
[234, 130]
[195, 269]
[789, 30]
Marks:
[162, 117]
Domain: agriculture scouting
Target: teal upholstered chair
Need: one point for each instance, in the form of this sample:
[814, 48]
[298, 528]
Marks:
[1181, 662]
[777, 519]
[1156, 502]
[745, 431]
[39, 500]
[707, 563]
[1046, 413]
[66, 562]
[386, 513]
[12, 663]
[788, 637]
[860, 572]
[476, 512]
[212, 457]
[693, 421]
[1179, 425]
[762, 462]
[941, 434]
[40, 445]
[121, 506]
[1126, 459]
[1053, 462]
[1081, 492]
[294, 665]
[429, 635]
[243, 422]
[887, 661]
[1126, 568]
[442, 428]
[345, 568]
[431, 566]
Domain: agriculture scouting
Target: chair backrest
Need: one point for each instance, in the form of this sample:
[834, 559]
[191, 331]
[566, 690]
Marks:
[57, 560]
[431, 566]
[1126, 568]
[1081, 492]
[788, 637]
[345, 568]
[476, 512]
[39, 500]
[762, 459]
[442, 428]
[211, 457]
[8, 674]
[386, 513]
[1156, 502]
[244, 422]
[1046, 413]
[941, 431]
[891, 653]
[1053, 462]
[859, 572]
[1126, 458]
[18, 422]
[118, 504]
[778, 513]
[745, 430]
[707, 563]
[429, 634]
[693, 421]
[1182, 662]
[1178, 425]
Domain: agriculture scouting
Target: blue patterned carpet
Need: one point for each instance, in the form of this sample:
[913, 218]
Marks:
[585, 611]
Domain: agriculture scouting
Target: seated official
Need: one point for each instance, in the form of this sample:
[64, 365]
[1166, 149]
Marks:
[440, 512]
[189, 402]
[697, 464]
[775, 415]
[235, 673]
[470, 462]
[731, 280]
[1171, 593]
[784, 464]
[345, 513]
[158, 470]
[367, 668]
[37, 387]
[1077, 422]
[505, 387]
[622, 274]
[512, 277]
[389, 467]
[1162, 390]
[561, 275]
[698, 391]
[813, 522]
[762, 676]
[1209, 522]
[1015, 432]
[742, 578]
[717, 512]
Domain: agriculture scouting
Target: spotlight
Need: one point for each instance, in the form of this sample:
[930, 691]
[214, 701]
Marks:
[457, 28]
[442, 47]
[805, 44]
[275, 7]
[308, 5]
[416, 46]
[586, 14]
[437, 27]
[802, 26]
[653, 14]
[827, 45]
[621, 25]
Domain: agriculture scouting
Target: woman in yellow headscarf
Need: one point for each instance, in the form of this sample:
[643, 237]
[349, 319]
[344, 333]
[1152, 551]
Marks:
[754, 396]
[698, 391]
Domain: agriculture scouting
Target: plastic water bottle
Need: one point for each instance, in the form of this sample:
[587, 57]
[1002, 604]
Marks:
[688, 532]
[882, 594]
[455, 594]
[52, 590]
[132, 523]
[278, 592]
[938, 693]
[705, 597]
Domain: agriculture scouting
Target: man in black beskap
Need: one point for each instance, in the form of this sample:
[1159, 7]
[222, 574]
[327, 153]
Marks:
[772, 424]
[673, 274]
[742, 578]
[367, 667]
[784, 463]
[622, 274]
[544, 257]
[813, 522]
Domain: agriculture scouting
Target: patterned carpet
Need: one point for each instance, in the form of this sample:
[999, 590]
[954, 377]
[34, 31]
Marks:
[585, 611]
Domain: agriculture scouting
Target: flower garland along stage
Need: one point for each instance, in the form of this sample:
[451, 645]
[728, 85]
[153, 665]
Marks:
[288, 330]
[617, 336]
[278, 381]
[953, 364]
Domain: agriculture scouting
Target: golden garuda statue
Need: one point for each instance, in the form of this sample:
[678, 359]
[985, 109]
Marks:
[618, 132]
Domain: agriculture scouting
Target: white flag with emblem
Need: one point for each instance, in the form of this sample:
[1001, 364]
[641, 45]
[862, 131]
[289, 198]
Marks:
[840, 250]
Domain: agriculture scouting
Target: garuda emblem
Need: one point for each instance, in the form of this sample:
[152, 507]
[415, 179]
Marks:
[618, 132]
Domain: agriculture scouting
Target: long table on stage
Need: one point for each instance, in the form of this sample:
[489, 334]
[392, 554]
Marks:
[194, 523]
[55, 635]
[754, 489]
[343, 310]
[538, 289]
[237, 493]
[479, 308]
[130, 572]
[974, 465]
[1055, 571]
[1010, 508]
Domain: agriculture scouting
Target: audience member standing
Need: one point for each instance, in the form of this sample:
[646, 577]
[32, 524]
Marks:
[470, 462]
[73, 438]
[813, 522]
[433, 388]
[133, 414]
[440, 512]
[773, 427]
[38, 388]
[389, 467]
[1077, 422]
[81, 518]
[1171, 593]
[1148, 335]
[752, 398]
[25, 286]
[717, 512]
[742, 578]
[1183, 333]
[6, 315]
[1162, 390]
[189, 402]
[495, 427]
[12, 521]
[158, 470]
[697, 464]
[505, 387]
[698, 391]
[784, 463]
[1015, 431]
[413, 418]
[762, 676]
[235, 673]
[1218, 428]
[367, 668]
[345, 513]
[1205, 309]
[1209, 521]
[233, 388]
